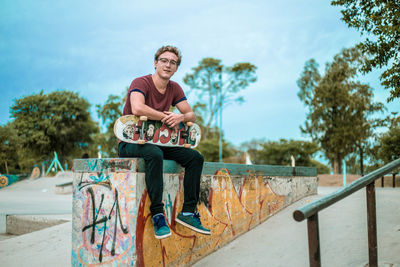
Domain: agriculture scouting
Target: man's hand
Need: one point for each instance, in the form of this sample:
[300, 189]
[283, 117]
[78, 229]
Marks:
[173, 119]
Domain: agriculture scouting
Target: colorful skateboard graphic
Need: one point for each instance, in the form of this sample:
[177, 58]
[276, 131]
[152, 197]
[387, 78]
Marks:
[139, 130]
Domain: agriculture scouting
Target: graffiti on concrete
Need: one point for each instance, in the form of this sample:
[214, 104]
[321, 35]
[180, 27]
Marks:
[227, 213]
[111, 227]
[107, 220]
[103, 220]
[168, 208]
[112, 165]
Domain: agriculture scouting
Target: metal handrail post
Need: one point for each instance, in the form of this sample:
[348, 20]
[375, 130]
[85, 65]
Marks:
[313, 241]
[371, 222]
[394, 180]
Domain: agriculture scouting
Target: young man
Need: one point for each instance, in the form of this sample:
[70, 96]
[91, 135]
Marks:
[152, 96]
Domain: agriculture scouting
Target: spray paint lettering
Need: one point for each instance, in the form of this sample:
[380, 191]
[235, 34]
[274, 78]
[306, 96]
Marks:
[104, 220]
[92, 164]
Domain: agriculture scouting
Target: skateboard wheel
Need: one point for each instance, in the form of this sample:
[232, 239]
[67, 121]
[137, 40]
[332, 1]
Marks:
[187, 145]
[141, 142]
[189, 123]
[143, 118]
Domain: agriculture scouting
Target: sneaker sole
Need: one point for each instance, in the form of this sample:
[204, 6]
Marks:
[162, 236]
[193, 228]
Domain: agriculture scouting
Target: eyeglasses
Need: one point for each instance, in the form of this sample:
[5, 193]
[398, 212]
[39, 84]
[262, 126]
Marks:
[165, 61]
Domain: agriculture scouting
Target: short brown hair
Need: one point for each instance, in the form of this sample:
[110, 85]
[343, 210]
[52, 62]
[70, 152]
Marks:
[169, 48]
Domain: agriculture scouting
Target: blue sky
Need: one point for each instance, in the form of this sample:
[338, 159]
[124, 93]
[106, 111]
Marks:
[96, 48]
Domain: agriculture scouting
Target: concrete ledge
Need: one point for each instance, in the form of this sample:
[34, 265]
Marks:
[137, 165]
[23, 224]
[112, 222]
[20, 224]
[3, 223]
[65, 188]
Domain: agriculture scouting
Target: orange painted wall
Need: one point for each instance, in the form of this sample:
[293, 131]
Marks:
[229, 214]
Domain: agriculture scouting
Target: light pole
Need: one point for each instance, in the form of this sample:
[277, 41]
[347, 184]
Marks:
[220, 133]
[220, 114]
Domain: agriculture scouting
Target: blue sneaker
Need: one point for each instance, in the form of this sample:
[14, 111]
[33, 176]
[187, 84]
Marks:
[192, 222]
[161, 229]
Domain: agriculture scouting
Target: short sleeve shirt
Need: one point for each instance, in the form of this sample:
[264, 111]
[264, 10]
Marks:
[153, 98]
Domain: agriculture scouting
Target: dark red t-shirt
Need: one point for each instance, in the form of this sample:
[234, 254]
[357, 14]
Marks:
[153, 98]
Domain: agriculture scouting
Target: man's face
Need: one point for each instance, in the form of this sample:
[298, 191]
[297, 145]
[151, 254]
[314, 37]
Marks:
[166, 65]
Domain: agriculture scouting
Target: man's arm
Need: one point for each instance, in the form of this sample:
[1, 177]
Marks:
[139, 108]
[187, 114]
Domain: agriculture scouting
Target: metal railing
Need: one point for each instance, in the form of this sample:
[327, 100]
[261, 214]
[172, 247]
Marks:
[310, 212]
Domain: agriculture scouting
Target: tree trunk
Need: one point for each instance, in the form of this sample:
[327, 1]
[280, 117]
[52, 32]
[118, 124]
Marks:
[5, 162]
[361, 161]
[337, 165]
[206, 131]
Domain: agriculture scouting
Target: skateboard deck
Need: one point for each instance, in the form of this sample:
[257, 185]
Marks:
[139, 130]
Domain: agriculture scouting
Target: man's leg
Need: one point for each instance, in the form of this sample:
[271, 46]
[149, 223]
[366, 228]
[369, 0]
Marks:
[192, 161]
[153, 157]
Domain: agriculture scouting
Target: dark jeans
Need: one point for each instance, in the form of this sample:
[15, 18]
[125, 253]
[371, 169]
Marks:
[153, 156]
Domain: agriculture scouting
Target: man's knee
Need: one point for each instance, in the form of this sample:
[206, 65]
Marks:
[154, 154]
[197, 157]
[158, 155]
[200, 157]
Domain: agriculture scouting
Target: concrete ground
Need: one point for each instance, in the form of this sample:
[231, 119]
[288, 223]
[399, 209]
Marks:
[280, 241]
[35, 197]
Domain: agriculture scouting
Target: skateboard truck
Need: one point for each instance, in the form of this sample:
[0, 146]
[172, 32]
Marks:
[186, 135]
[141, 140]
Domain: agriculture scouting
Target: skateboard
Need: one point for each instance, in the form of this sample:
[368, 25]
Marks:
[140, 130]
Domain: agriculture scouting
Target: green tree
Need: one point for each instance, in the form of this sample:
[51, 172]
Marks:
[321, 168]
[379, 19]
[252, 148]
[59, 121]
[219, 85]
[389, 142]
[9, 148]
[340, 109]
[281, 152]
[209, 147]
[109, 113]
